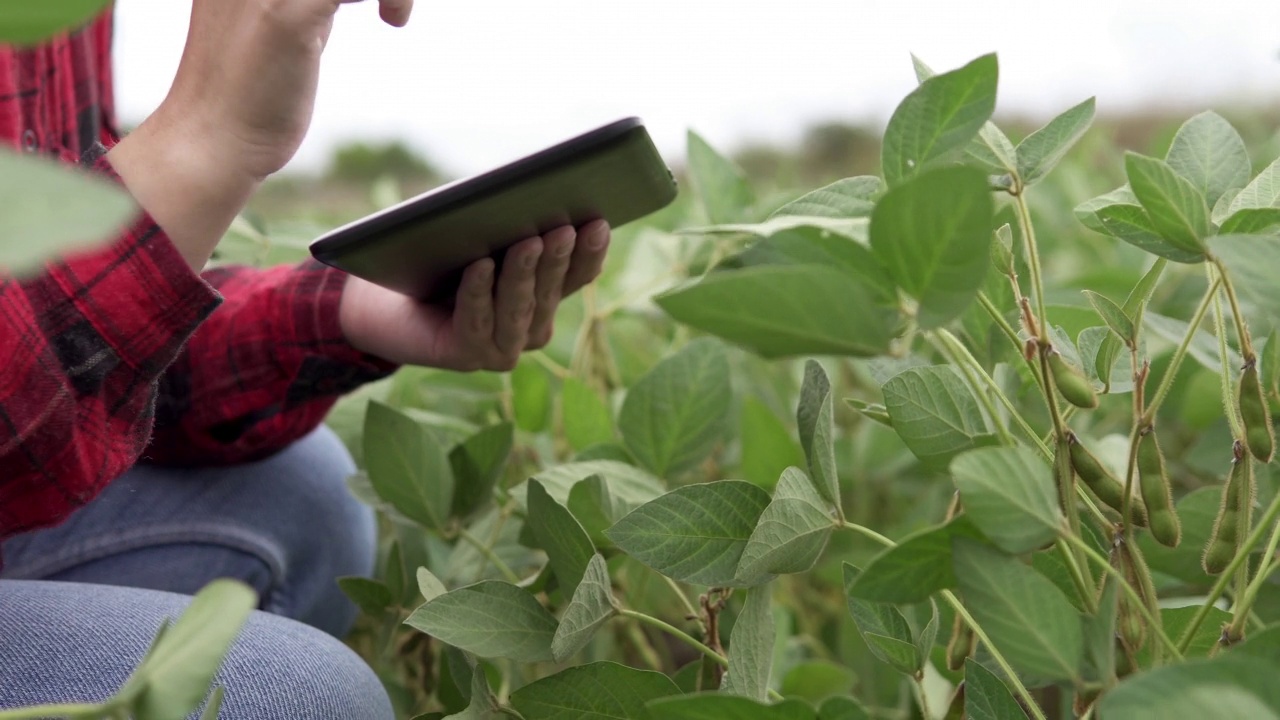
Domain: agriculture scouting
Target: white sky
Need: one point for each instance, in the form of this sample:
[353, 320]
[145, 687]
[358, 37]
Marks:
[476, 83]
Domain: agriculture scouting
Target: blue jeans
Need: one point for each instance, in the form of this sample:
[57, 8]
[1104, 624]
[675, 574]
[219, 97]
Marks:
[79, 603]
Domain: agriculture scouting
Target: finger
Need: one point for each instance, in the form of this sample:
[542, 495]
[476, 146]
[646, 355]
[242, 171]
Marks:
[588, 256]
[395, 12]
[557, 255]
[513, 308]
[473, 314]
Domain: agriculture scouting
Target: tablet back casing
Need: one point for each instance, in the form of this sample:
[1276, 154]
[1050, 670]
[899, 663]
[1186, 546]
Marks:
[421, 246]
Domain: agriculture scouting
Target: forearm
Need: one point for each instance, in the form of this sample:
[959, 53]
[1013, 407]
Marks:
[182, 182]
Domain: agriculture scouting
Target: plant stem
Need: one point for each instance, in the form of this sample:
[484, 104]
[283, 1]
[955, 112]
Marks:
[1033, 262]
[1244, 602]
[1008, 330]
[1018, 687]
[1175, 363]
[1083, 587]
[863, 530]
[644, 647]
[1273, 510]
[1242, 326]
[947, 344]
[968, 359]
[1228, 407]
[921, 698]
[677, 633]
[1137, 600]
[488, 552]
[684, 599]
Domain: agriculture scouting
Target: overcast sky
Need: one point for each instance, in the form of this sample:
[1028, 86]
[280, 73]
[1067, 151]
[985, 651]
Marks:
[478, 82]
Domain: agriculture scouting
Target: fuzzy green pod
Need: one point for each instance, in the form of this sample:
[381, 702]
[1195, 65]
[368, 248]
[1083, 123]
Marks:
[1001, 254]
[1225, 538]
[961, 645]
[1258, 433]
[1101, 482]
[1157, 495]
[1072, 383]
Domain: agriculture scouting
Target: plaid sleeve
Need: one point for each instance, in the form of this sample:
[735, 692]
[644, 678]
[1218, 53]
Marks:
[263, 371]
[83, 347]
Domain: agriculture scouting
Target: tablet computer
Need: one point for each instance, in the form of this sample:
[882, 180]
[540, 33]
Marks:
[420, 247]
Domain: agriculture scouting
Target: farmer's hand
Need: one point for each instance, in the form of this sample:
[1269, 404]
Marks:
[493, 321]
[239, 108]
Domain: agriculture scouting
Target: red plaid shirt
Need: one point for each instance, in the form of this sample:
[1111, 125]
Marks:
[125, 354]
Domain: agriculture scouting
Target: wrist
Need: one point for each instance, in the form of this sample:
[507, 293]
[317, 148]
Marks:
[180, 175]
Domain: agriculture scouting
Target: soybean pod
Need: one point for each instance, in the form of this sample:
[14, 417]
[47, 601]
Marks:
[1157, 495]
[1255, 414]
[1224, 541]
[961, 645]
[1071, 382]
[1101, 482]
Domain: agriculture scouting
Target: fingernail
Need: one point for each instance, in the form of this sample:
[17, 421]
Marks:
[485, 272]
[599, 237]
[565, 248]
[531, 259]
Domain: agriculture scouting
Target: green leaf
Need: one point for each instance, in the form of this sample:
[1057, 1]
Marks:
[28, 23]
[1210, 154]
[726, 196]
[791, 534]
[1010, 494]
[429, 585]
[531, 396]
[883, 628]
[842, 708]
[938, 118]
[767, 445]
[1222, 209]
[715, 706]
[50, 210]
[587, 420]
[916, 568]
[1113, 315]
[176, 674]
[694, 534]
[1251, 220]
[986, 697]
[482, 704]
[785, 311]
[815, 246]
[1263, 191]
[1087, 211]
[1176, 209]
[1271, 363]
[407, 466]
[371, 596]
[1252, 261]
[676, 414]
[1025, 615]
[1134, 307]
[815, 419]
[598, 691]
[559, 534]
[477, 464]
[628, 483]
[591, 607]
[932, 236]
[1204, 345]
[847, 198]
[817, 680]
[751, 647]
[1131, 224]
[1204, 641]
[1226, 688]
[991, 150]
[1044, 148]
[935, 413]
[490, 619]
[597, 508]
[1099, 659]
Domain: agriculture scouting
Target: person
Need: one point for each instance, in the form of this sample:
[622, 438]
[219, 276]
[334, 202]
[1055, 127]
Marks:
[162, 425]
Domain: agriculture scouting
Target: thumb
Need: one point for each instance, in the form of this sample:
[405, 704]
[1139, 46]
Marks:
[393, 12]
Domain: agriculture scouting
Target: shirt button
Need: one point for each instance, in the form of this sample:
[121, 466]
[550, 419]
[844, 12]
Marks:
[29, 141]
